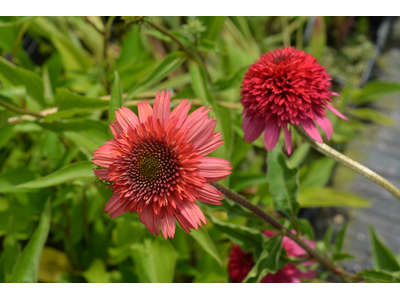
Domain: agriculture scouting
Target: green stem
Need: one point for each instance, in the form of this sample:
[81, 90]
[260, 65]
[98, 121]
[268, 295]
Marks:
[69, 236]
[344, 160]
[19, 110]
[239, 199]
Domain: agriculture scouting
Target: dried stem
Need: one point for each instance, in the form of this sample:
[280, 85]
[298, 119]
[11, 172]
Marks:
[271, 220]
[343, 159]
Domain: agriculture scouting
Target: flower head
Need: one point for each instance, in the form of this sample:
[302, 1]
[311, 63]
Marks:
[158, 166]
[240, 263]
[284, 87]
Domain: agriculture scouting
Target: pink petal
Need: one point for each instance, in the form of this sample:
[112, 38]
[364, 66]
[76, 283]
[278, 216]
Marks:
[210, 145]
[104, 156]
[168, 226]
[192, 214]
[102, 173]
[335, 94]
[336, 112]
[180, 112]
[288, 139]
[151, 221]
[126, 118]
[311, 129]
[326, 125]
[209, 194]
[145, 111]
[271, 135]
[252, 129]
[214, 168]
[114, 207]
[200, 114]
[161, 107]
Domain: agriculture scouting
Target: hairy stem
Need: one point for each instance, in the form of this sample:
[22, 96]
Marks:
[344, 160]
[271, 220]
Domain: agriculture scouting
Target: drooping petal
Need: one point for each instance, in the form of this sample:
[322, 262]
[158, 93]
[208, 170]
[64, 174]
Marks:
[102, 173]
[209, 194]
[311, 129]
[114, 207]
[151, 221]
[168, 226]
[288, 139]
[325, 125]
[336, 112]
[252, 129]
[192, 214]
[161, 108]
[214, 168]
[271, 135]
[145, 111]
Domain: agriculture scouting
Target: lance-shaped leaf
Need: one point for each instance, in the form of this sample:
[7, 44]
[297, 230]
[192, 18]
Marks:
[382, 257]
[284, 184]
[204, 240]
[116, 97]
[27, 267]
[67, 173]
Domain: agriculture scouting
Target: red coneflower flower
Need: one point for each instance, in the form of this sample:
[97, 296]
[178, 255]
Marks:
[240, 263]
[158, 166]
[284, 87]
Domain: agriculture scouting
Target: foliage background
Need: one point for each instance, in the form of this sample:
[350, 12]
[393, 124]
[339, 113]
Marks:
[61, 79]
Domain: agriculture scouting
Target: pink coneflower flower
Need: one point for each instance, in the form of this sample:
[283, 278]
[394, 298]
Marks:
[240, 263]
[158, 166]
[286, 87]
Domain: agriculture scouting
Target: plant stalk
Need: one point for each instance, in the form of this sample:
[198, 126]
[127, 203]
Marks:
[271, 220]
[20, 110]
[344, 160]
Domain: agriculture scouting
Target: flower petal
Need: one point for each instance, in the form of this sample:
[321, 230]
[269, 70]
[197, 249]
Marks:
[180, 112]
[145, 111]
[252, 129]
[288, 139]
[192, 214]
[168, 226]
[114, 207]
[214, 168]
[126, 118]
[336, 112]
[151, 221]
[325, 125]
[311, 129]
[271, 135]
[161, 108]
[102, 174]
[209, 194]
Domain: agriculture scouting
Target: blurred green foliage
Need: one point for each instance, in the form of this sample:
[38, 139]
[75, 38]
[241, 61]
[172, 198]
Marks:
[61, 79]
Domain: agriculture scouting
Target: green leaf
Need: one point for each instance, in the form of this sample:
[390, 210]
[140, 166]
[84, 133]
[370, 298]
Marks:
[369, 114]
[284, 183]
[318, 38]
[156, 262]
[231, 81]
[319, 173]
[339, 256]
[10, 250]
[67, 173]
[240, 180]
[116, 97]
[170, 63]
[340, 238]
[27, 267]
[21, 20]
[199, 84]
[249, 239]
[380, 276]
[6, 134]
[299, 155]
[328, 236]
[214, 26]
[328, 197]
[204, 240]
[382, 257]
[375, 90]
[14, 177]
[97, 272]
[268, 261]
[20, 76]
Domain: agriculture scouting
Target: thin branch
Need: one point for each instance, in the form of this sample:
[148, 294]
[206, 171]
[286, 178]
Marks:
[344, 160]
[20, 110]
[271, 220]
